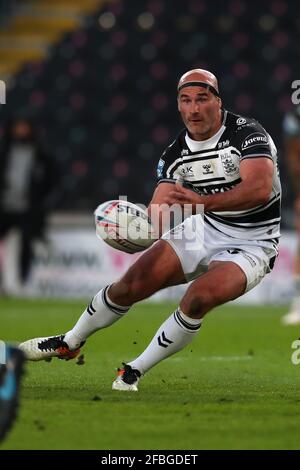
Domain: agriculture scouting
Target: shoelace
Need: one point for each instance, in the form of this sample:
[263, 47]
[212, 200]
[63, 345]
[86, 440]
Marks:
[52, 343]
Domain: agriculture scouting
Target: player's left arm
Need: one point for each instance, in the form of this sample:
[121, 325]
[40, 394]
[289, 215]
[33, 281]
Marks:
[254, 189]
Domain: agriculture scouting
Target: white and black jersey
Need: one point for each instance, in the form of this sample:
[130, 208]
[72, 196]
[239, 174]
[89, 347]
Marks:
[213, 166]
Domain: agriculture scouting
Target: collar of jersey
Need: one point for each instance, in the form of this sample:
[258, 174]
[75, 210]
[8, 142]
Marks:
[196, 145]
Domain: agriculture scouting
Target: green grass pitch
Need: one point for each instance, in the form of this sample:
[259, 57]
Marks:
[234, 387]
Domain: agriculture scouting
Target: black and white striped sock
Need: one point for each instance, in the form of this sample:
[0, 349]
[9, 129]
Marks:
[173, 335]
[100, 313]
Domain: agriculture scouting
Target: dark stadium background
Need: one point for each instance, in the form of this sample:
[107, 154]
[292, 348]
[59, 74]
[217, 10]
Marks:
[99, 80]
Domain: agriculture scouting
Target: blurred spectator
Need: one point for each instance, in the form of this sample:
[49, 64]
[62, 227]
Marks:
[28, 188]
[291, 127]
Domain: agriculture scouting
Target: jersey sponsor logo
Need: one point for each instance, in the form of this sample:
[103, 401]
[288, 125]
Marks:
[229, 165]
[160, 168]
[241, 121]
[222, 145]
[248, 124]
[188, 170]
[254, 139]
[207, 169]
[184, 152]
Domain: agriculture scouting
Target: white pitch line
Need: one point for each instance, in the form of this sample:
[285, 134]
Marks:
[216, 358]
[226, 358]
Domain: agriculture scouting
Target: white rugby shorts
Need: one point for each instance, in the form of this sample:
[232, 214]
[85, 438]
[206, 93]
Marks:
[197, 244]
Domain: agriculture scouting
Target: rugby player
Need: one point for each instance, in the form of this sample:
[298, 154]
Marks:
[228, 163]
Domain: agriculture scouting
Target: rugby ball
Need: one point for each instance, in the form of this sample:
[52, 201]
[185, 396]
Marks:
[124, 226]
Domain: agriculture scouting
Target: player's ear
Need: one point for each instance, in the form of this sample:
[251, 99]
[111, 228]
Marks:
[178, 103]
[220, 103]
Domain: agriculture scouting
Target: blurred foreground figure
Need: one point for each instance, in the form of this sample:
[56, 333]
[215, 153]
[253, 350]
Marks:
[27, 183]
[10, 378]
[291, 127]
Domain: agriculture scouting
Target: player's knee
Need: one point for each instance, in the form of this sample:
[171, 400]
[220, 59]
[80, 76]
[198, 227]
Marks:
[197, 304]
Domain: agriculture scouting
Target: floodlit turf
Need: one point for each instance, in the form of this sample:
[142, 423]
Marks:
[234, 388]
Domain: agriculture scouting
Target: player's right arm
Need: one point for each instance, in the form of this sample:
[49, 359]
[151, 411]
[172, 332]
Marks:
[157, 205]
[165, 184]
[161, 191]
